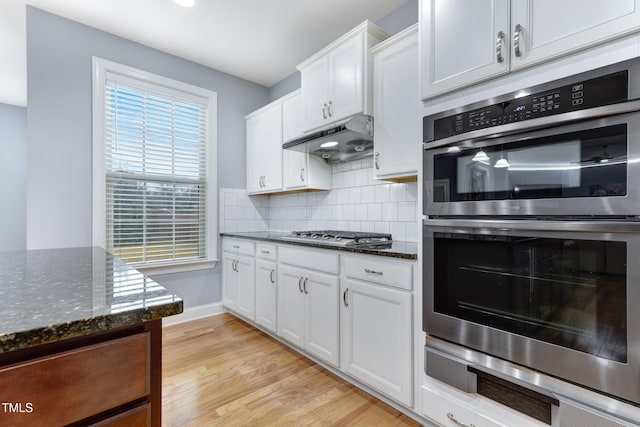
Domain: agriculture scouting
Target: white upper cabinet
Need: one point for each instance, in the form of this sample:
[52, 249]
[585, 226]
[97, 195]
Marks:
[336, 81]
[464, 42]
[550, 28]
[264, 149]
[461, 43]
[270, 169]
[396, 106]
[301, 170]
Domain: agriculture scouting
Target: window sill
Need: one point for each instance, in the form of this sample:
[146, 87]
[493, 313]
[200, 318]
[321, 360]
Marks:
[152, 270]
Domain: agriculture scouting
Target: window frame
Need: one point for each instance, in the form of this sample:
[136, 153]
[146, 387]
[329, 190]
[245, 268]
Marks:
[100, 68]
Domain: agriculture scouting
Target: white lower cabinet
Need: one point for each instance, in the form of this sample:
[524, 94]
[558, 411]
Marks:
[266, 287]
[308, 313]
[376, 337]
[238, 277]
[453, 408]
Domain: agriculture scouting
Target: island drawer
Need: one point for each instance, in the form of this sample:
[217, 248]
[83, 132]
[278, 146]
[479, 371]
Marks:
[73, 385]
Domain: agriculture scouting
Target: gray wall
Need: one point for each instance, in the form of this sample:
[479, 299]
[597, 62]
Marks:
[13, 170]
[58, 196]
[396, 21]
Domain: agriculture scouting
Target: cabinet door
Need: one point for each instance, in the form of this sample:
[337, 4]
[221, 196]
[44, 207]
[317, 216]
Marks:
[322, 316]
[460, 43]
[396, 109]
[314, 78]
[245, 305]
[376, 338]
[264, 150]
[290, 322]
[295, 162]
[229, 281]
[552, 28]
[266, 294]
[346, 86]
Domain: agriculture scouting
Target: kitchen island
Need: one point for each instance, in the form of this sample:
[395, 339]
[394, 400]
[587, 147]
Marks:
[80, 339]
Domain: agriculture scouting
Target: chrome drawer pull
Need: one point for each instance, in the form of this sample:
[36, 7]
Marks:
[304, 285]
[271, 276]
[458, 423]
[499, 56]
[344, 297]
[265, 252]
[378, 273]
[236, 247]
[300, 285]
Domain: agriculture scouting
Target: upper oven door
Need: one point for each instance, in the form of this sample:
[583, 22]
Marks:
[583, 169]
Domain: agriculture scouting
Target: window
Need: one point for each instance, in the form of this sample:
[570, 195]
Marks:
[154, 168]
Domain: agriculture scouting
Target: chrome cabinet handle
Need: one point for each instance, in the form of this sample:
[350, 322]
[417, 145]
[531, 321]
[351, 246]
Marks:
[516, 40]
[300, 285]
[271, 276]
[234, 265]
[264, 181]
[345, 301]
[499, 40]
[302, 174]
[236, 246]
[304, 285]
[330, 109]
[324, 111]
[458, 423]
[376, 158]
[264, 252]
[377, 273]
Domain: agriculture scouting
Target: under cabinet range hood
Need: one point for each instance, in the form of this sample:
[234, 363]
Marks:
[351, 139]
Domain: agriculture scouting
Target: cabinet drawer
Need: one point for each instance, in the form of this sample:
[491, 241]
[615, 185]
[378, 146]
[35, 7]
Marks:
[139, 416]
[326, 261]
[445, 411]
[239, 246]
[76, 384]
[378, 270]
[266, 251]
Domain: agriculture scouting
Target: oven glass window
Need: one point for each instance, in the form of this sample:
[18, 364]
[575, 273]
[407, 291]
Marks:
[589, 163]
[563, 291]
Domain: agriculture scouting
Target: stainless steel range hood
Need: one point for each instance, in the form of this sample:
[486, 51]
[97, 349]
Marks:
[351, 139]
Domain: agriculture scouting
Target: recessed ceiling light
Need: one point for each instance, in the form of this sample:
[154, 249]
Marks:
[185, 3]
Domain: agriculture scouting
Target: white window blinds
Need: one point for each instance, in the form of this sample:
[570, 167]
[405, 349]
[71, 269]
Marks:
[156, 177]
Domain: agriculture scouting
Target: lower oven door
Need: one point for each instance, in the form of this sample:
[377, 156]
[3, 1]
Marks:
[559, 297]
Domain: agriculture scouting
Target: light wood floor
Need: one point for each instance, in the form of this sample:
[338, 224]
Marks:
[220, 371]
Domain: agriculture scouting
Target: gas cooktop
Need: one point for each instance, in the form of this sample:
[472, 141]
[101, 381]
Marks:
[340, 238]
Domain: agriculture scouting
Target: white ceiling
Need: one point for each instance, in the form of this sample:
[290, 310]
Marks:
[258, 40]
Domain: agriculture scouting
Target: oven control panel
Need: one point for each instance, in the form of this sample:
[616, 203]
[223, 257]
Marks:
[596, 92]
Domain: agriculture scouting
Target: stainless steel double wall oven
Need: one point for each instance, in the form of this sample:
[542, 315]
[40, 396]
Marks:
[532, 229]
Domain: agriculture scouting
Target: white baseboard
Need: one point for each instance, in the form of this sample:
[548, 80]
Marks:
[195, 313]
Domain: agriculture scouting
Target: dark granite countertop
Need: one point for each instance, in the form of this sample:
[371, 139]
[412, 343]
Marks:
[53, 294]
[404, 250]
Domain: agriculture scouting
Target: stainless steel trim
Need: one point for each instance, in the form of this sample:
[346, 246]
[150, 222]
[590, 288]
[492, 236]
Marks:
[478, 226]
[533, 380]
[516, 40]
[499, 40]
[542, 122]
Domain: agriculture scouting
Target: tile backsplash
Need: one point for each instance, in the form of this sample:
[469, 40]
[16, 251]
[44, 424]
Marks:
[356, 202]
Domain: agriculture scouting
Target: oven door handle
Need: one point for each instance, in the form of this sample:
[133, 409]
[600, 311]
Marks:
[539, 123]
[477, 225]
